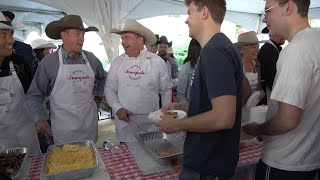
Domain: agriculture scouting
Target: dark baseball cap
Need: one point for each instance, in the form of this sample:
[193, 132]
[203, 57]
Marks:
[265, 30]
[9, 14]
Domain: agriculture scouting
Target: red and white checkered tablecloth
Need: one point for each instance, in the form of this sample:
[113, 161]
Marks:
[35, 169]
[250, 153]
[121, 165]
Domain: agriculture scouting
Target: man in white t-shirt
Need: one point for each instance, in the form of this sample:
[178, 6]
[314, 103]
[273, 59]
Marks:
[291, 133]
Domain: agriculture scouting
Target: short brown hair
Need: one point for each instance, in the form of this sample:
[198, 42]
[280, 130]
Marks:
[303, 6]
[217, 8]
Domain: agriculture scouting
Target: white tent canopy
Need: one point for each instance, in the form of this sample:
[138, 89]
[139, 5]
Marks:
[107, 14]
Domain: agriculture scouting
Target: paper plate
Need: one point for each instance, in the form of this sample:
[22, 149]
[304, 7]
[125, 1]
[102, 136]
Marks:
[156, 116]
[253, 100]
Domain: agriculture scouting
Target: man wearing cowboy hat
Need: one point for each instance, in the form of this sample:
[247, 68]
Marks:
[67, 77]
[22, 48]
[163, 47]
[135, 80]
[16, 126]
[154, 47]
[42, 48]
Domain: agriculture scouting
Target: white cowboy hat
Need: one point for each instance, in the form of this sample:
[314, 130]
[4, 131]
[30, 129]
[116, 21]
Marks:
[4, 24]
[131, 25]
[248, 38]
[54, 28]
[170, 50]
[41, 44]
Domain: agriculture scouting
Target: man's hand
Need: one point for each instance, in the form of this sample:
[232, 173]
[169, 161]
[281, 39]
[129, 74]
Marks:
[168, 124]
[122, 114]
[43, 126]
[175, 106]
[98, 100]
[252, 129]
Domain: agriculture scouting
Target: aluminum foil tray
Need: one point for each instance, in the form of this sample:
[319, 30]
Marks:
[163, 148]
[72, 174]
[12, 166]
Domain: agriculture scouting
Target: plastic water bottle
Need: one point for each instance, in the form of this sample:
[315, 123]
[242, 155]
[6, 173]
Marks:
[109, 146]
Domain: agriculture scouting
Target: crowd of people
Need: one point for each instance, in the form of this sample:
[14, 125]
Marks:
[55, 93]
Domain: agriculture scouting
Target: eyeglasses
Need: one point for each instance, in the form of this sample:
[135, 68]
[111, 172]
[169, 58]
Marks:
[265, 12]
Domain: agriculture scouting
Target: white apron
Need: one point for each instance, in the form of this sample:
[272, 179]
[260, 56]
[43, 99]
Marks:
[73, 111]
[253, 79]
[138, 92]
[16, 126]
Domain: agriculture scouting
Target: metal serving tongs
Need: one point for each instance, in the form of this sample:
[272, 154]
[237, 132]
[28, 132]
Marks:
[58, 139]
[137, 125]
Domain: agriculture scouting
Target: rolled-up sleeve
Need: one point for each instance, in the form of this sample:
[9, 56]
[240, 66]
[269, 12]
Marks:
[165, 83]
[38, 90]
[111, 87]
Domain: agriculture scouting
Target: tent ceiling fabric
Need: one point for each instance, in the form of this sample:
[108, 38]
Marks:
[107, 14]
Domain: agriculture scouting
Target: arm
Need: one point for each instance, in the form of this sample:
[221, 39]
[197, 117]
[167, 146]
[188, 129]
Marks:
[183, 84]
[220, 117]
[100, 78]
[38, 91]
[165, 83]
[176, 68]
[257, 68]
[290, 91]
[111, 87]
[246, 90]
[286, 119]
[219, 75]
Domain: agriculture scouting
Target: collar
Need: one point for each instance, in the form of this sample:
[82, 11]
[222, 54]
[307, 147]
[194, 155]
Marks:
[142, 55]
[278, 46]
[66, 55]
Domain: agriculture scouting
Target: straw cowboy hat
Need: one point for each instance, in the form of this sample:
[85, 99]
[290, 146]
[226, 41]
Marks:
[170, 50]
[164, 40]
[248, 38]
[133, 26]
[4, 24]
[54, 28]
[41, 44]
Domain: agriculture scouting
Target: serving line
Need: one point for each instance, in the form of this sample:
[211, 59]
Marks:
[121, 165]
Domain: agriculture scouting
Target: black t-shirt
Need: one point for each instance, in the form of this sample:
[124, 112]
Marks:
[268, 57]
[21, 67]
[219, 72]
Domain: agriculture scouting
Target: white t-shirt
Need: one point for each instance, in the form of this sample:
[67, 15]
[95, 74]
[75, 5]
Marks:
[297, 83]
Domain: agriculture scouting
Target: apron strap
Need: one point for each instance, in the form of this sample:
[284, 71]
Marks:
[86, 60]
[13, 71]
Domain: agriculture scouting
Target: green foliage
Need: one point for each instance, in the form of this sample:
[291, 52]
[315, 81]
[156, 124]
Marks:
[181, 52]
[105, 63]
[238, 27]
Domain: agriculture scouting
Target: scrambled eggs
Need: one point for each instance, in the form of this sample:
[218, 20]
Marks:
[69, 157]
